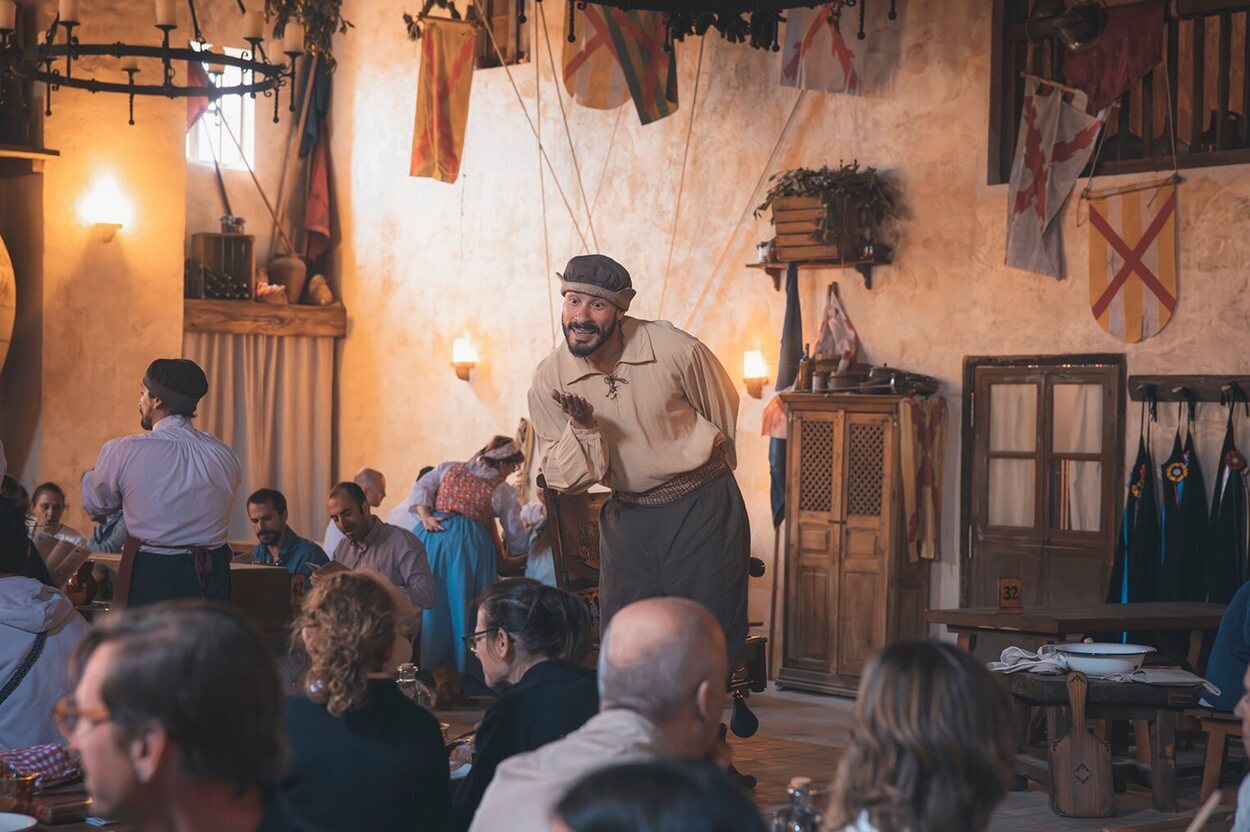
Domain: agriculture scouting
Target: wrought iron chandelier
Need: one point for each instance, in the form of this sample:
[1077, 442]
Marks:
[41, 61]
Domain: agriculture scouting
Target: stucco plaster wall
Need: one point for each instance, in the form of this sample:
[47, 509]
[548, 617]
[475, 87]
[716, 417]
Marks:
[109, 308]
[423, 261]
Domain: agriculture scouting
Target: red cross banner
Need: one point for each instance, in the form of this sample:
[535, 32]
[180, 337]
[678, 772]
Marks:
[1132, 260]
[816, 56]
[591, 74]
[447, 55]
[922, 446]
[1055, 141]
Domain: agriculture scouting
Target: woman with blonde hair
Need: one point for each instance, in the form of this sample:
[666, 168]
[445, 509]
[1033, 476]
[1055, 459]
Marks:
[932, 744]
[362, 755]
[457, 505]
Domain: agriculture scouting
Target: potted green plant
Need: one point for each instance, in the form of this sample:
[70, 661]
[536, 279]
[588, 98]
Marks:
[829, 213]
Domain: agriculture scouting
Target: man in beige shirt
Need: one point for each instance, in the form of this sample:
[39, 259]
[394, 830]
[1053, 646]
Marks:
[648, 411]
[369, 543]
[661, 689]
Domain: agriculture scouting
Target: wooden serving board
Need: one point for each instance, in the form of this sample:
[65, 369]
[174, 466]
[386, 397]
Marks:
[1080, 764]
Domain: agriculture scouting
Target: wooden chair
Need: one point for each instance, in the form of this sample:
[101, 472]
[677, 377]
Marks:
[1218, 726]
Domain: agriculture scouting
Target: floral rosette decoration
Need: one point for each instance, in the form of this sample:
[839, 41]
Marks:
[1177, 471]
[1234, 461]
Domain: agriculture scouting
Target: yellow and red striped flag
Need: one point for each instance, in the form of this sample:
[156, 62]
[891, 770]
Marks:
[448, 49]
[621, 53]
[1132, 260]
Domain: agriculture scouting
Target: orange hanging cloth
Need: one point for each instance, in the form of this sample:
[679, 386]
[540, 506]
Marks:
[448, 49]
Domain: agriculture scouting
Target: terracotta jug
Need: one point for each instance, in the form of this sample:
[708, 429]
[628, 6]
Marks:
[289, 271]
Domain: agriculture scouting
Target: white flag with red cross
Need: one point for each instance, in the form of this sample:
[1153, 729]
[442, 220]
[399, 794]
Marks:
[816, 56]
[1055, 141]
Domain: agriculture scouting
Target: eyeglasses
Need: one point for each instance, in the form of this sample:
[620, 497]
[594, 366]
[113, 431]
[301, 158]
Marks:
[470, 639]
[68, 715]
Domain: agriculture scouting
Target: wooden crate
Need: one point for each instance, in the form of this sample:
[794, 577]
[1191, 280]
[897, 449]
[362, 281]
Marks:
[795, 219]
[227, 263]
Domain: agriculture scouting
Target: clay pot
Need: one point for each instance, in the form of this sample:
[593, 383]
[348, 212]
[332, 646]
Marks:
[319, 291]
[289, 271]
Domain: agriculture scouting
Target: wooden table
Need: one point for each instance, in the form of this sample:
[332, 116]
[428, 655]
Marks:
[1064, 623]
[1109, 700]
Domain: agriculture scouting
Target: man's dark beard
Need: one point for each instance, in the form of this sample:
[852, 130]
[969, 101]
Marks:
[145, 422]
[267, 537]
[583, 350]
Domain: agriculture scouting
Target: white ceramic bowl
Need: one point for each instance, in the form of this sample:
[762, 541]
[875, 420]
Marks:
[1104, 659]
[10, 822]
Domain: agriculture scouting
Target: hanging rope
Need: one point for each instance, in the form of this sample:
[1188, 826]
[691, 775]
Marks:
[542, 191]
[272, 214]
[594, 203]
[568, 134]
[746, 210]
[541, 150]
[681, 180]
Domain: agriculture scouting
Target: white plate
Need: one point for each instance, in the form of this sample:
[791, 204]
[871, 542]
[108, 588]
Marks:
[10, 822]
[1104, 658]
[457, 772]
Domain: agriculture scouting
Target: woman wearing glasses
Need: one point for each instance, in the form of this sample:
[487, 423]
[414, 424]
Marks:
[531, 640]
[362, 755]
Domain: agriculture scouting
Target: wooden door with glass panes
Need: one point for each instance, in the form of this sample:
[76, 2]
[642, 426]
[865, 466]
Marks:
[1041, 484]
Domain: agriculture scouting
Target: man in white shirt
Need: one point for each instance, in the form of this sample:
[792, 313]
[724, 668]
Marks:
[373, 483]
[175, 486]
[662, 670]
[47, 507]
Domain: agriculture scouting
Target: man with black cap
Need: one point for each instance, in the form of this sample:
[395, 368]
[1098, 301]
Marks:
[648, 411]
[174, 486]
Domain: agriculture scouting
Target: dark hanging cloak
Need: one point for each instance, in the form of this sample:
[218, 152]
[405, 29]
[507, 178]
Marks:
[1226, 557]
[1134, 574]
[1184, 519]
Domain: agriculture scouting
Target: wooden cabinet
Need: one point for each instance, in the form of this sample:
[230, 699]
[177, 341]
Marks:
[849, 585]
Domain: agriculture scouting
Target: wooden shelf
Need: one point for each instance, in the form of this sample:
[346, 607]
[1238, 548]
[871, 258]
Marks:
[247, 317]
[36, 156]
[864, 267]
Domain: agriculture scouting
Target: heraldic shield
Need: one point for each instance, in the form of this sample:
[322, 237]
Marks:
[1133, 260]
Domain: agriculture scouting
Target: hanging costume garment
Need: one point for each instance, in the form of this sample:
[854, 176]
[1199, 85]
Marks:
[1134, 575]
[1226, 557]
[1184, 519]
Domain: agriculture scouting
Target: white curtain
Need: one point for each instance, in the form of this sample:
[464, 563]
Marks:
[271, 399]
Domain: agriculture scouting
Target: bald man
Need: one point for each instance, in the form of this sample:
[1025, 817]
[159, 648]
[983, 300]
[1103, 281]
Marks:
[662, 670]
[373, 483]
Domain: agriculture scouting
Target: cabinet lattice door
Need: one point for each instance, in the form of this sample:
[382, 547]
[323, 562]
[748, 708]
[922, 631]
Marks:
[849, 589]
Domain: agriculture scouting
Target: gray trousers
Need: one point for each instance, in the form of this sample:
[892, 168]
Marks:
[697, 547]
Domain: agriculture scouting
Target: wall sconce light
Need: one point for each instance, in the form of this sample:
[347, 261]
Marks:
[464, 356]
[754, 372]
[105, 208]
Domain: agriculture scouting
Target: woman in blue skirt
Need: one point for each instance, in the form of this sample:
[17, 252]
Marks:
[458, 503]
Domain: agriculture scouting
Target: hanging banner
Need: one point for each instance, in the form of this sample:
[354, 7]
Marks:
[644, 70]
[922, 447]
[447, 57]
[1055, 141]
[816, 56]
[591, 72]
[1132, 260]
[1131, 44]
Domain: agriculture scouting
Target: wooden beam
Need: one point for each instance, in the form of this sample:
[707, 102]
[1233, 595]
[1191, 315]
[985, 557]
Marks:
[12, 151]
[1179, 388]
[246, 317]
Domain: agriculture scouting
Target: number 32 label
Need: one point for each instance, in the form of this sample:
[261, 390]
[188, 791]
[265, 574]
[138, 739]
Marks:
[1009, 595]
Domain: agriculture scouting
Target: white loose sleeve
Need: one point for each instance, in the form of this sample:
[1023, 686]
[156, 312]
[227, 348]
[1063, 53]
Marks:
[425, 490]
[508, 509]
[101, 486]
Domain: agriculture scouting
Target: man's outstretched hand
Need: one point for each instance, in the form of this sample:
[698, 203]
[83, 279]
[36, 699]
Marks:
[580, 412]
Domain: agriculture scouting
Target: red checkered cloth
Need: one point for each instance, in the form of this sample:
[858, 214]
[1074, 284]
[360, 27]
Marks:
[53, 763]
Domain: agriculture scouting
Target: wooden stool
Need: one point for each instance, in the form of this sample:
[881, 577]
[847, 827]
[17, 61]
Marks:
[1218, 726]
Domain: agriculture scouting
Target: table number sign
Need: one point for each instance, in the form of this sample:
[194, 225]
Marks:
[1009, 595]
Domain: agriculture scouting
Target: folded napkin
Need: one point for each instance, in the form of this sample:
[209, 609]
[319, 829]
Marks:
[53, 763]
[1046, 660]
[1163, 676]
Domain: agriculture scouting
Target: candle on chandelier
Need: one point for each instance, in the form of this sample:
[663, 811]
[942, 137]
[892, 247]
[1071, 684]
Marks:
[293, 38]
[8, 15]
[254, 26]
[165, 13]
[68, 11]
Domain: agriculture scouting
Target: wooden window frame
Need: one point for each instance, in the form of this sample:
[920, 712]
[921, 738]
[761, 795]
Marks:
[515, 45]
[1181, 45]
[1052, 370]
